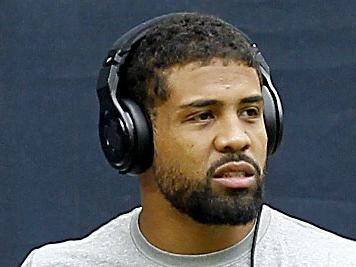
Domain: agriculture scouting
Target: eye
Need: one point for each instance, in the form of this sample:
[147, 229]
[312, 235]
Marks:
[251, 112]
[202, 117]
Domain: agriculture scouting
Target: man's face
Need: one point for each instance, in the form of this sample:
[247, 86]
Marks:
[210, 142]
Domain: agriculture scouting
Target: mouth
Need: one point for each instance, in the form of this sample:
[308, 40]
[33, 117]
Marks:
[235, 175]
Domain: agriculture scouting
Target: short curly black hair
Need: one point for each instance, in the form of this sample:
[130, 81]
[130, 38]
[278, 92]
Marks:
[179, 40]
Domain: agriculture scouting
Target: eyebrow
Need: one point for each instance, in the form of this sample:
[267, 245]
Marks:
[210, 102]
[201, 103]
[251, 99]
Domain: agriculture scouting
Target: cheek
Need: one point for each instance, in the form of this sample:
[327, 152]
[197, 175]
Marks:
[261, 145]
[179, 152]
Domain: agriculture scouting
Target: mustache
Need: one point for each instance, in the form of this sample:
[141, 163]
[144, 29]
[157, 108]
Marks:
[231, 158]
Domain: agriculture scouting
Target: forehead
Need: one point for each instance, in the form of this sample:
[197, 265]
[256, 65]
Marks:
[215, 80]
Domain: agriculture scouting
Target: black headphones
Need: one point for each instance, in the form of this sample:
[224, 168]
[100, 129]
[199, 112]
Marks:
[125, 130]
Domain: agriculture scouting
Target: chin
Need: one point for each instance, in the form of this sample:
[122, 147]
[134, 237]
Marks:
[237, 208]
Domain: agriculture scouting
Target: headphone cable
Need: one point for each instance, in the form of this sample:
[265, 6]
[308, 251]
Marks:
[254, 240]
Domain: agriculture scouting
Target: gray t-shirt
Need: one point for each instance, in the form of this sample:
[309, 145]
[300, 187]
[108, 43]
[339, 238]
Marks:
[282, 241]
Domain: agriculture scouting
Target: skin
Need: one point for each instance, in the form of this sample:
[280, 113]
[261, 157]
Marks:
[191, 139]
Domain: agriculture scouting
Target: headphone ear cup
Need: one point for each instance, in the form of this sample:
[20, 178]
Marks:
[270, 119]
[142, 156]
[114, 138]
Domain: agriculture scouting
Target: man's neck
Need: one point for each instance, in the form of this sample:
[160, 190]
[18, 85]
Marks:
[170, 230]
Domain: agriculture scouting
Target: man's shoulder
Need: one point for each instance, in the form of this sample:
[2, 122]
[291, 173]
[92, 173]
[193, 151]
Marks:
[299, 238]
[295, 225]
[97, 247]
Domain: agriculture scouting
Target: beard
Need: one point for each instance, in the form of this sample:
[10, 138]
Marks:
[197, 199]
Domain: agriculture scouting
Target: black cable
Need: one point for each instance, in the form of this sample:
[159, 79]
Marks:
[254, 240]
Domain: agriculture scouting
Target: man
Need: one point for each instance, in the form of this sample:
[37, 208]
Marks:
[199, 83]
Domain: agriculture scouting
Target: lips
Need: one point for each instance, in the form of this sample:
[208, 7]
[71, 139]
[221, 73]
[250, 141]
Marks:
[235, 175]
[234, 169]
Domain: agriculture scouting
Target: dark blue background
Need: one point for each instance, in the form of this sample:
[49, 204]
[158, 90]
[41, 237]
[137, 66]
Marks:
[55, 183]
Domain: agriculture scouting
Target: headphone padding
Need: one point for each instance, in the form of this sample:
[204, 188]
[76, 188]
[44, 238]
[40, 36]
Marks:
[143, 145]
[269, 115]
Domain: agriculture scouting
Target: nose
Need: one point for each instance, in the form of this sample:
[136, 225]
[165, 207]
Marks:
[231, 137]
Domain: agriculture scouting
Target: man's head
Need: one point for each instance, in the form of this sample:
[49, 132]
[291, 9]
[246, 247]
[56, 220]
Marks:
[199, 81]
